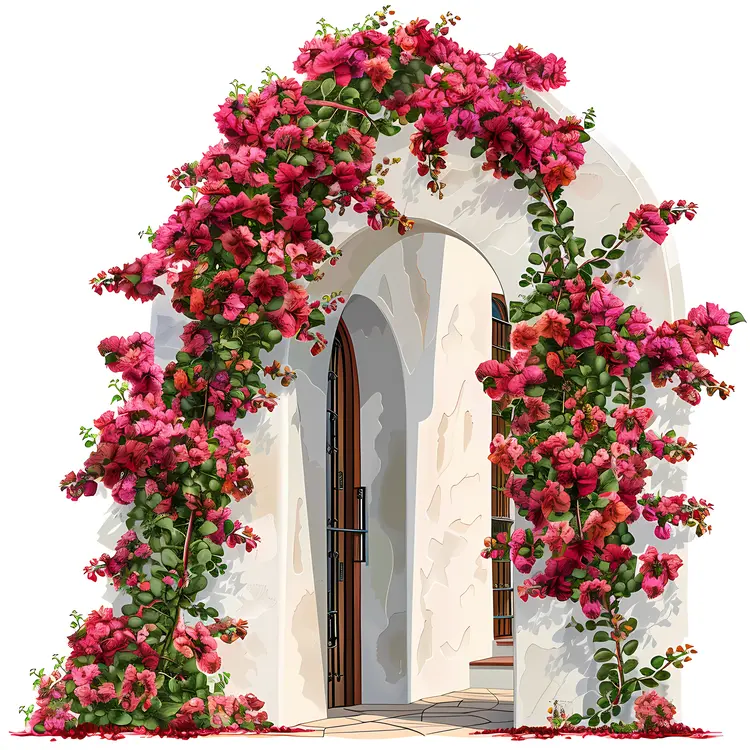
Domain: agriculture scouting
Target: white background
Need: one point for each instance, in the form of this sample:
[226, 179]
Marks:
[101, 100]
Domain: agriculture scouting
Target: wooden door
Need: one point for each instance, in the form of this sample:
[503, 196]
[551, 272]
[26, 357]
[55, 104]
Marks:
[346, 529]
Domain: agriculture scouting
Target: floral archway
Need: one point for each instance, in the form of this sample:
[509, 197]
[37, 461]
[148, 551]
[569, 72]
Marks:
[240, 251]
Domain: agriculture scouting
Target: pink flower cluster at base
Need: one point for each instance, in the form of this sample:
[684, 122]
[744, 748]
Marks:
[653, 710]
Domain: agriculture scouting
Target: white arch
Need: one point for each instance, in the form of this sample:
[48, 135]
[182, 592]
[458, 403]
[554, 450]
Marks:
[277, 594]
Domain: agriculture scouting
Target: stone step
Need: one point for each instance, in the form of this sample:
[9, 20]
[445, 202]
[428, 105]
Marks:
[502, 647]
[494, 672]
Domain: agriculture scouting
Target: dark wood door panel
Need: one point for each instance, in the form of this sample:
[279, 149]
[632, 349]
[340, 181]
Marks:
[345, 511]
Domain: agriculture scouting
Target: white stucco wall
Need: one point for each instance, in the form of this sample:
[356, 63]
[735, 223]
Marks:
[280, 588]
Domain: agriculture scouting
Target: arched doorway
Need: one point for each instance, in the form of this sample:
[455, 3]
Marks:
[346, 528]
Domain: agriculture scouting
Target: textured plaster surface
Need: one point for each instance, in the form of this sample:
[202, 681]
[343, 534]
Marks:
[427, 592]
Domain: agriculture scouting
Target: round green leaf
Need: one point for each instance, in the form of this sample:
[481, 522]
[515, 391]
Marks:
[603, 654]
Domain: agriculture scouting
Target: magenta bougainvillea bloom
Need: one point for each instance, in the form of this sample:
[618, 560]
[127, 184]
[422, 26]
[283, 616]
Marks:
[657, 570]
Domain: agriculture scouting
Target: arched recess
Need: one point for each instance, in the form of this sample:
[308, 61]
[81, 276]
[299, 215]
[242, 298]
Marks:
[419, 317]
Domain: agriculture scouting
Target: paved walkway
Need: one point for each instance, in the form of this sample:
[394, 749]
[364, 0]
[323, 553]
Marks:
[451, 715]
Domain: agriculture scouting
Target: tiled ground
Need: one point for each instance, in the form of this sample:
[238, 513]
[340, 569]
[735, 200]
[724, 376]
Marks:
[454, 714]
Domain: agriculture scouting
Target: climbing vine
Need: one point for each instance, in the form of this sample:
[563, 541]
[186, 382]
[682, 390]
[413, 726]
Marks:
[239, 253]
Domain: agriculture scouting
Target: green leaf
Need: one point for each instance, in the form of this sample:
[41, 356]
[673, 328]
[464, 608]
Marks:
[539, 209]
[657, 661]
[609, 240]
[603, 654]
[536, 259]
[575, 719]
[169, 559]
[207, 527]
[662, 675]
[607, 687]
[120, 718]
[327, 86]
[601, 637]
[630, 647]
[608, 482]
[203, 556]
[736, 317]
[565, 215]
[629, 665]
[157, 587]
[169, 709]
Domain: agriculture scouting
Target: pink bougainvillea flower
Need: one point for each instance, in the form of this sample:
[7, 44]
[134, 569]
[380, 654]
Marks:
[553, 498]
[293, 312]
[240, 243]
[558, 534]
[631, 423]
[586, 422]
[601, 523]
[652, 710]
[553, 325]
[136, 687]
[380, 72]
[509, 377]
[506, 452]
[713, 322]
[289, 178]
[536, 409]
[197, 641]
[657, 570]
[554, 363]
[648, 219]
[593, 594]
[523, 336]
[265, 287]
[616, 555]
[585, 477]
[518, 541]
